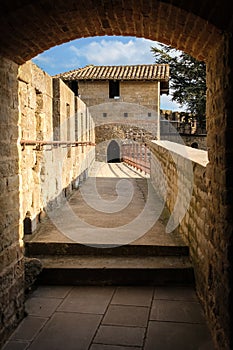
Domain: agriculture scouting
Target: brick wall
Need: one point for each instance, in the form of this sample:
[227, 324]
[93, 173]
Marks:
[189, 26]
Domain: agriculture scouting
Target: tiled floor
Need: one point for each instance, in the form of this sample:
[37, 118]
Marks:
[112, 318]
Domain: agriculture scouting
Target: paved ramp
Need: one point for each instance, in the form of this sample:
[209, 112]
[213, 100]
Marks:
[114, 197]
[118, 170]
[113, 226]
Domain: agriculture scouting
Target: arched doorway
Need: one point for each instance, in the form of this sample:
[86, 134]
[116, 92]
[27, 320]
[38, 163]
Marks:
[194, 145]
[113, 152]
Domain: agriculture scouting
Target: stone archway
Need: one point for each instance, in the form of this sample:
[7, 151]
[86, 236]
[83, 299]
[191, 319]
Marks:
[28, 28]
[113, 152]
[203, 30]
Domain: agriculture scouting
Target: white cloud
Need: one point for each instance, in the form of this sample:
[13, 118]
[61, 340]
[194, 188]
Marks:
[115, 52]
[43, 58]
[101, 51]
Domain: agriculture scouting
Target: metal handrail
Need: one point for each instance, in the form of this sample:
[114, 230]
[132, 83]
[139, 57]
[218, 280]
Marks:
[136, 155]
[142, 166]
[40, 143]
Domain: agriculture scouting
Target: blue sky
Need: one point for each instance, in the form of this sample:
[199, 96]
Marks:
[113, 50]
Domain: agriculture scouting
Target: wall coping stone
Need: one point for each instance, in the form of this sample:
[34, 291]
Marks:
[196, 155]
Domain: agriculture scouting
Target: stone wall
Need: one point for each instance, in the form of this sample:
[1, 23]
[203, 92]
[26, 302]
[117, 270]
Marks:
[195, 141]
[34, 179]
[138, 103]
[179, 173]
[191, 140]
[105, 133]
[143, 93]
[49, 111]
[219, 177]
[11, 254]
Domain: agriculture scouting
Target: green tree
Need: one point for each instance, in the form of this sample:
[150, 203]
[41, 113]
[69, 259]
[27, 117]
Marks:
[187, 79]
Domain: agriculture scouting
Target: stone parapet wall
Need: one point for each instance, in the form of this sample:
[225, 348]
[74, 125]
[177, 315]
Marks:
[190, 140]
[179, 174]
[49, 111]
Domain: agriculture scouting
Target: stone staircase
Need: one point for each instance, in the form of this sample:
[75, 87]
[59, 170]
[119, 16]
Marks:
[77, 264]
[155, 258]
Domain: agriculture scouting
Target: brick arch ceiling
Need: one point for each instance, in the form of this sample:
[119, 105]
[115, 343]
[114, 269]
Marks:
[28, 28]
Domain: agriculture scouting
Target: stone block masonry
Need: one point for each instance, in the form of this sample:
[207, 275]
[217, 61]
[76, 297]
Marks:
[140, 93]
[11, 250]
[34, 179]
[171, 176]
[137, 104]
[49, 111]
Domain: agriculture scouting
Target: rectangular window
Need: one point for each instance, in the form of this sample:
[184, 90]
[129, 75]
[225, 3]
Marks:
[125, 115]
[105, 115]
[114, 88]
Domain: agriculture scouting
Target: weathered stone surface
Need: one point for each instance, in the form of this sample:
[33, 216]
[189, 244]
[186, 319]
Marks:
[33, 268]
[49, 107]
[11, 276]
[194, 28]
[196, 227]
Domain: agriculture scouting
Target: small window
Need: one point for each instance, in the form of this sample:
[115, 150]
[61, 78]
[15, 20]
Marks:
[114, 88]
[125, 115]
[105, 115]
[149, 114]
[74, 87]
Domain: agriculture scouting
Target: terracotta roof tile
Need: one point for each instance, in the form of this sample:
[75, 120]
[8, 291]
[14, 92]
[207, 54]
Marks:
[134, 72]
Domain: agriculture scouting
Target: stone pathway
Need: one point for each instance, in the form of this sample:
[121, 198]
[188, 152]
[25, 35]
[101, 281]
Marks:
[112, 318]
[97, 212]
[101, 169]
